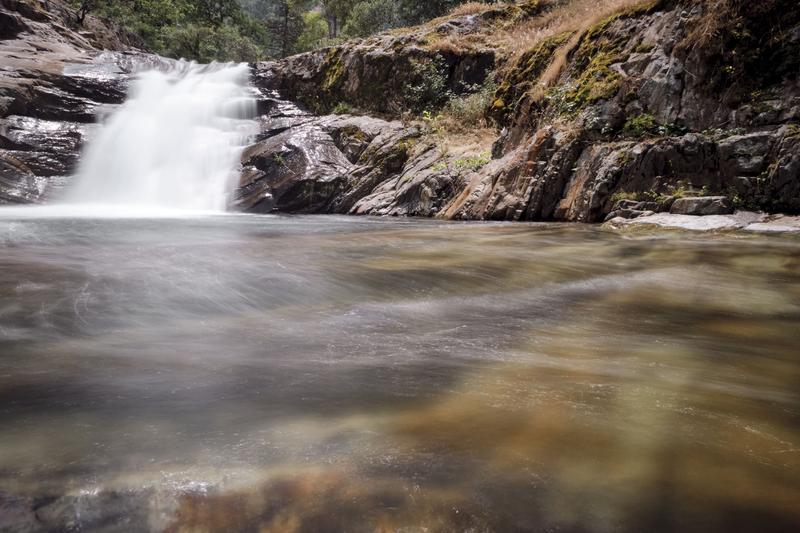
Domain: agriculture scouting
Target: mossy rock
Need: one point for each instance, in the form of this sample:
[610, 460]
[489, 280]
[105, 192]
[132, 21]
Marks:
[523, 76]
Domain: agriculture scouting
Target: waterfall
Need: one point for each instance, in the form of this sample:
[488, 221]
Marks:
[176, 142]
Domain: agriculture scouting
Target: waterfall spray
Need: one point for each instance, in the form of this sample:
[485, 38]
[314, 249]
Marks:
[175, 143]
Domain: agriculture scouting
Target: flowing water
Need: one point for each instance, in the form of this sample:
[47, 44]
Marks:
[175, 143]
[261, 373]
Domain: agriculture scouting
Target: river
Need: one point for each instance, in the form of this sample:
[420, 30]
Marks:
[291, 373]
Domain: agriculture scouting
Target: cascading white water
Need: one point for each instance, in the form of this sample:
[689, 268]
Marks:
[175, 143]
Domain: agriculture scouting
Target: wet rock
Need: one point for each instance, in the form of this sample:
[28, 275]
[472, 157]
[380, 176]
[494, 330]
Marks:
[776, 224]
[17, 514]
[308, 164]
[702, 205]
[628, 214]
[739, 220]
[55, 83]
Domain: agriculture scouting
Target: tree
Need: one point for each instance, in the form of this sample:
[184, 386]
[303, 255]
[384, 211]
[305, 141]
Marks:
[418, 11]
[85, 7]
[336, 12]
[315, 31]
[285, 24]
[215, 12]
[370, 16]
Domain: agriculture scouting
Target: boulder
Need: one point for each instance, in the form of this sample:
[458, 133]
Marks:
[702, 205]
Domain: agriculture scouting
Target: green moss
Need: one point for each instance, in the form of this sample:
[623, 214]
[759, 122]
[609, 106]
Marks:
[335, 70]
[640, 125]
[523, 76]
[597, 82]
[594, 79]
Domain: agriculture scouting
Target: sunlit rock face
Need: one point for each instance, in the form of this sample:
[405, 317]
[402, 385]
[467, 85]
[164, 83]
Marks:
[638, 108]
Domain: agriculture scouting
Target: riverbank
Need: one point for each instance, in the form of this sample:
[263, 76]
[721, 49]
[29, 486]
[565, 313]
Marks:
[581, 116]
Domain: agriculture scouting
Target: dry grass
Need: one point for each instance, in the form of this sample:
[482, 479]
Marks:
[559, 17]
[716, 16]
[470, 8]
[458, 43]
[562, 16]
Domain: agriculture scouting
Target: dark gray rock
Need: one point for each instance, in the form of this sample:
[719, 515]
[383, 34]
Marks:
[702, 205]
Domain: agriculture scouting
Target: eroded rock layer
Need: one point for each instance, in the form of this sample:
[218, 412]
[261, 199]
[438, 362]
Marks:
[663, 100]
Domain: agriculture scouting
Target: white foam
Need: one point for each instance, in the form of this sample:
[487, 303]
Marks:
[175, 144]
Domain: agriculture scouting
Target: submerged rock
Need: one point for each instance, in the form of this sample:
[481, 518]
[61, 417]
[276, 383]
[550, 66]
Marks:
[741, 220]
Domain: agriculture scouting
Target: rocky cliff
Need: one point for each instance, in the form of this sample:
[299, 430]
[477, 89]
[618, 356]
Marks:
[55, 80]
[621, 112]
[656, 101]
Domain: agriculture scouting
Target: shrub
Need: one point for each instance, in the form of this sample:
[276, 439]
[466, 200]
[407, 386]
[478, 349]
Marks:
[640, 124]
[341, 108]
[470, 111]
[428, 86]
[315, 31]
[370, 16]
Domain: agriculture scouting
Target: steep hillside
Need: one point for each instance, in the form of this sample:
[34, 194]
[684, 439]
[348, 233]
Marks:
[646, 102]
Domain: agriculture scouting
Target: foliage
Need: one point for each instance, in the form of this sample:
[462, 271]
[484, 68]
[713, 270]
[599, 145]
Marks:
[464, 165]
[370, 16]
[427, 88]
[250, 30]
[434, 125]
[646, 124]
[470, 111]
[315, 31]
[416, 12]
[342, 108]
[203, 30]
[639, 125]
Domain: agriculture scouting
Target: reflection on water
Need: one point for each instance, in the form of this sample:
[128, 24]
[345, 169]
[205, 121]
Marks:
[238, 373]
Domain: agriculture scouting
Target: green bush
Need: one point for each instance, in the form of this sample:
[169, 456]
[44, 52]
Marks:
[639, 125]
[470, 110]
[315, 31]
[370, 16]
[427, 89]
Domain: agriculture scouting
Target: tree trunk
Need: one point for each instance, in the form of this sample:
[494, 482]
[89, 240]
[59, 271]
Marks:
[285, 32]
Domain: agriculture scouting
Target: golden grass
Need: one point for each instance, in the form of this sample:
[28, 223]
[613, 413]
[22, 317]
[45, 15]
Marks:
[470, 8]
[562, 16]
[559, 17]
[717, 15]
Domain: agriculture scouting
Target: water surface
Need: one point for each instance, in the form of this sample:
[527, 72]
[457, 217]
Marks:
[246, 373]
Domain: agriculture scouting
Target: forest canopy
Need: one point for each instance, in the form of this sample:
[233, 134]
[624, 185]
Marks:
[251, 30]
